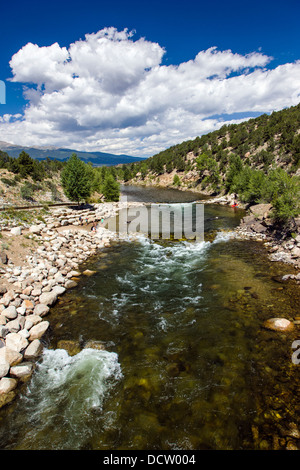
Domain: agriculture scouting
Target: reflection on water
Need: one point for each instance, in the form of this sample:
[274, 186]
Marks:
[187, 364]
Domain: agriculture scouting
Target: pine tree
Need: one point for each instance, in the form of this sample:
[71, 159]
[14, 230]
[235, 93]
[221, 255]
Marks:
[76, 179]
[111, 188]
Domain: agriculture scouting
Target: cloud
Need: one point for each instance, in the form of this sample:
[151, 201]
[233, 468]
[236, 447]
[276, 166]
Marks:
[112, 93]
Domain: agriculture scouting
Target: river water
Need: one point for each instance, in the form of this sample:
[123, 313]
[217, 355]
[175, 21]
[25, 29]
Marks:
[163, 348]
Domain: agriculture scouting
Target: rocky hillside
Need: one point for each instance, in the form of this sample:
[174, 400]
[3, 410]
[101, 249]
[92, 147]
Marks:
[15, 191]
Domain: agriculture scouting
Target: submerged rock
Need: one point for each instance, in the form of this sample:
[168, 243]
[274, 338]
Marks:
[72, 347]
[94, 345]
[88, 272]
[278, 324]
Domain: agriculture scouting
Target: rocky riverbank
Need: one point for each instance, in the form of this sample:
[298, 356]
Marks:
[32, 278]
[282, 242]
[50, 265]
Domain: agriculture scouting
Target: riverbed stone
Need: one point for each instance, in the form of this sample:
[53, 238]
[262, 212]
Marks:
[41, 310]
[32, 320]
[70, 283]
[10, 312]
[33, 350]
[16, 342]
[48, 298]
[37, 228]
[13, 326]
[7, 384]
[59, 290]
[37, 331]
[88, 272]
[4, 367]
[278, 324]
[22, 370]
[11, 356]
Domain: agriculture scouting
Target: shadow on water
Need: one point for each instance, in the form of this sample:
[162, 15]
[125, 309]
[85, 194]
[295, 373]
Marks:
[166, 350]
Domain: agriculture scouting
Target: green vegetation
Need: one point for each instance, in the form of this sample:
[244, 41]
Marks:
[76, 179]
[176, 180]
[80, 180]
[25, 166]
[110, 188]
[257, 159]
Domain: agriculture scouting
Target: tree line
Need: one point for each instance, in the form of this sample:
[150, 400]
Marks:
[79, 180]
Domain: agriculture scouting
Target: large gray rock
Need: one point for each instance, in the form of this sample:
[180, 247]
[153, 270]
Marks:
[37, 228]
[7, 384]
[13, 326]
[295, 252]
[48, 298]
[16, 231]
[21, 370]
[261, 211]
[10, 312]
[4, 367]
[37, 331]
[8, 297]
[59, 290]
[11, 356]
[33, 350]
[16, 342]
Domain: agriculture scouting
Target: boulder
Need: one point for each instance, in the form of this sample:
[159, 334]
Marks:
[58, 290]
[278, 324]
[258, 228]
[33, 350]
[37, 331]
[37, 228]
[88, 272]
[7, 298]
[32, 320]
[261, 211]
[22, 370]
[11, 356]
[16, 342]
[16, 231]
[7, 385]
[41, 310]
[10, 312]
[4, 367]
[295, 252]
[13, 326]
[48, 298]
[69, 284]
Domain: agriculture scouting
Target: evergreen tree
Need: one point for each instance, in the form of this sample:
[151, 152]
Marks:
[76, 179]
[111, 189]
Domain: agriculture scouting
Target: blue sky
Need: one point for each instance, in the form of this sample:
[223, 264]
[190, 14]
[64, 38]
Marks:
[154, 93]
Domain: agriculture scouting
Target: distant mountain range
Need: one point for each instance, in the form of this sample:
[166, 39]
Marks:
[62, 154]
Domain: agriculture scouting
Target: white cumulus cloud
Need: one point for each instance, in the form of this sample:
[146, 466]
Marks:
[112, 93]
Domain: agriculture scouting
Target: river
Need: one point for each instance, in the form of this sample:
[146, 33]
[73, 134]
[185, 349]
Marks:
[163, 348]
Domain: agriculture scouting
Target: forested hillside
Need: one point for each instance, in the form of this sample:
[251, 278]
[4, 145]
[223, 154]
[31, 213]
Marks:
[257, 159]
